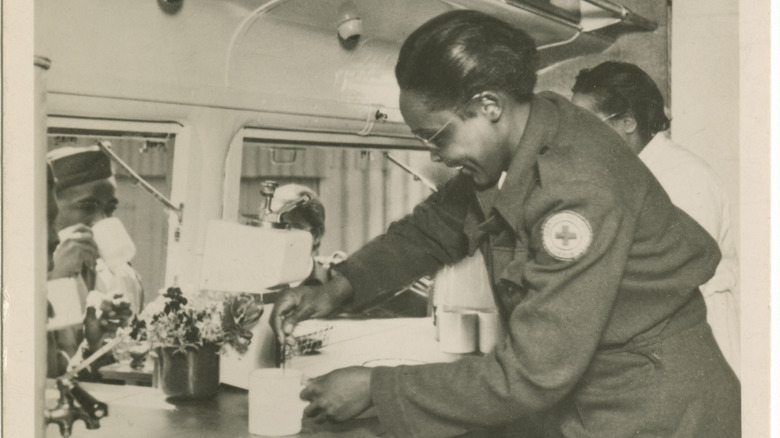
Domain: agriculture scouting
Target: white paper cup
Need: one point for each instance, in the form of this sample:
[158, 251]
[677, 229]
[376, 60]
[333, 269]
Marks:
[490, 330]
[114, 244]
[275, 406]
[457, 331]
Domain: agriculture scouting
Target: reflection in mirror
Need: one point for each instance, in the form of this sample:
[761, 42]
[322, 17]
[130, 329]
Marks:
[151, 156]
[362, 192]
[112, 238]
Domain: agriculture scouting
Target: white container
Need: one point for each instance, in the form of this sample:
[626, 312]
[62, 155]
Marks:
[234, 368]
[275, 406]
[457, 331]
[239, 258]
[114, 243]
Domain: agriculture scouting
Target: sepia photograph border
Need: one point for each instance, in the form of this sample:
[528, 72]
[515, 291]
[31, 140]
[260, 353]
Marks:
[19, 210]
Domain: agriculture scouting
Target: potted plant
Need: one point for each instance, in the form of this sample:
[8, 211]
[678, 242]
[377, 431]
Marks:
[187, 333]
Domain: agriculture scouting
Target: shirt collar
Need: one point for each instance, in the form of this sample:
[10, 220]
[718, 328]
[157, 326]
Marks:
[487, 197]
[501, 180]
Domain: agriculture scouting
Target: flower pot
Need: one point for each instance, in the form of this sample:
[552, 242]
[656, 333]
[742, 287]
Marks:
[190, 374]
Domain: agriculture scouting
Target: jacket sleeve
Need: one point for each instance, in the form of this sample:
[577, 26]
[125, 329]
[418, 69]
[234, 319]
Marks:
[553, 332]
[419, 244]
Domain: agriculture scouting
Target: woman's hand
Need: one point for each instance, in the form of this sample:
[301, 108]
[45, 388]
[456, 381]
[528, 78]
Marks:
[300, 303]
[339, 395]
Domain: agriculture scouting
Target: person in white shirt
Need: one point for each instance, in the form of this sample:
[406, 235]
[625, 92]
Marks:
[627, 99]
[89, 297]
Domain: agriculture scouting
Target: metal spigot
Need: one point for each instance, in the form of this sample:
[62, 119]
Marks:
[273, 219]
[75, 404]
[267, 190]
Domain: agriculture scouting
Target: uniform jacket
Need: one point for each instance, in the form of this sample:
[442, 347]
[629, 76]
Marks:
[595, 273]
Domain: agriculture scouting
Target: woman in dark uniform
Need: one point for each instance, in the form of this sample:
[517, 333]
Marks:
[594, 271]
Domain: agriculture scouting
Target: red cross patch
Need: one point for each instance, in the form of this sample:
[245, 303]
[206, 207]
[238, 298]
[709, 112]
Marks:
[566, 235]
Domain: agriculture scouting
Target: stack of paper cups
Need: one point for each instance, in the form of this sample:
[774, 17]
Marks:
[457, 331]
[490, 330]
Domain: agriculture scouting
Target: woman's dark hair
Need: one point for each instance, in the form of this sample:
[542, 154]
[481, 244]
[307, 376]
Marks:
[624, 89]
[461, 53]
[311, 213]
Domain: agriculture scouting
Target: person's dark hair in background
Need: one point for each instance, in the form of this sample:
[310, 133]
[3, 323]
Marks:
[309, 216]
[621, 89]
[456, 55]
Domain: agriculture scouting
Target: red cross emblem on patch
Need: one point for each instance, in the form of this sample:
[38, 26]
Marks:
[566, 235]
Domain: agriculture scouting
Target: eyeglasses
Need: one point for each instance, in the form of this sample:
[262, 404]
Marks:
[428, 142]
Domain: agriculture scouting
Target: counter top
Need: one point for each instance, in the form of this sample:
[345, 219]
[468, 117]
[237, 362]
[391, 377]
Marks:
[141, 412]
[358, 342]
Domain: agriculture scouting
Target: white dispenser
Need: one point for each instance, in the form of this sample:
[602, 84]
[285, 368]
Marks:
[239, 258]
[235, 369]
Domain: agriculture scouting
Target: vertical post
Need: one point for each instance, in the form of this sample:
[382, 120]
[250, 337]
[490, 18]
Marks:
[39, 219]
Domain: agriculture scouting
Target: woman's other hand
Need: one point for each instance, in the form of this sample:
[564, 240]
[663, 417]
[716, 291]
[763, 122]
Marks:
[339, 395]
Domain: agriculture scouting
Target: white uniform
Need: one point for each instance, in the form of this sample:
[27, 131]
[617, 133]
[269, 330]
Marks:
[69, 297]
[694, 187]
